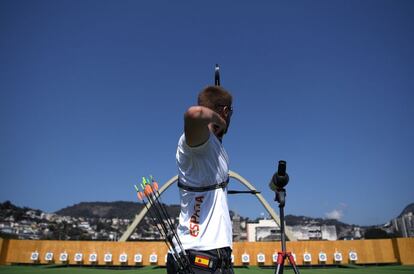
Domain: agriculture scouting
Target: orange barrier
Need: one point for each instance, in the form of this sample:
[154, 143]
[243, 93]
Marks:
[400, 250]
[3, 251]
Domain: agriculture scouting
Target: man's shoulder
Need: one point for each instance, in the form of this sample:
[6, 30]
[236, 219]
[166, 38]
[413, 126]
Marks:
[183, 144]
[181, 139]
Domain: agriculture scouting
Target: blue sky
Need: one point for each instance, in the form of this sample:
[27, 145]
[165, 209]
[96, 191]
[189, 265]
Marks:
[92, 96]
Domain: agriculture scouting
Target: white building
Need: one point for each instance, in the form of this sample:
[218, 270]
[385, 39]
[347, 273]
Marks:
[315, 232]
[261, 230]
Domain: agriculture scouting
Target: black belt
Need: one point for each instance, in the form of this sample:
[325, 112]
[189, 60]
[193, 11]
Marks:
[222, 185]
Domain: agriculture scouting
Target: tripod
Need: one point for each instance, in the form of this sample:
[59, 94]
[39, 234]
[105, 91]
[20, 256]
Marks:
[279, 180]
[283, 255]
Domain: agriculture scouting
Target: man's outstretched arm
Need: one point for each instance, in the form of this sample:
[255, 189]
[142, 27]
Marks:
[198, 122]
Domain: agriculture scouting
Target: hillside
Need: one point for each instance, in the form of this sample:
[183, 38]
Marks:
[108, 220]
[407, 209]
[109, 210]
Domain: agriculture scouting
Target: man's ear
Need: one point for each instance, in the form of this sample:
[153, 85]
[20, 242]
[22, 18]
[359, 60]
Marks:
[226, 111]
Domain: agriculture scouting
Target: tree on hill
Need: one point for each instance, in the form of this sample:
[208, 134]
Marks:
[376, 233]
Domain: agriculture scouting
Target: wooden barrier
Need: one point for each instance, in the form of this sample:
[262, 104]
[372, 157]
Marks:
[20, 251]
[400, 250]
[3, 251]
[404, 250]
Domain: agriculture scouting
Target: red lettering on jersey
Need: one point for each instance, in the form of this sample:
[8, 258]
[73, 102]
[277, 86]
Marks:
[195, 218]
[194, 229]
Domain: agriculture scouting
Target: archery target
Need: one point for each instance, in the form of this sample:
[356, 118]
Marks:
[274, 257]
[63, 257]
[123, 258]
[108, 258]
[48, 256]
[307, 258]
[78, 257]
[338, 257]
[93, 257]
[34, 256]
[322, 257]
[245, 258]
[138, 258]
[261, 258]
[153, 258]
[353, 256]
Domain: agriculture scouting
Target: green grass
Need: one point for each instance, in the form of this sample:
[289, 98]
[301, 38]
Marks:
[155, 270]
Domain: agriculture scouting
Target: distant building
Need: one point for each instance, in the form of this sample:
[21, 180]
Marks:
[84, 225]
[315, 232]
[264, 230]
[239, 229]
[404, 225]
[48, 216]
[356, 233]
[268, 230]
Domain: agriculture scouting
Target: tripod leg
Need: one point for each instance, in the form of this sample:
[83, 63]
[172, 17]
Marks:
[293, 263]
[280, 263]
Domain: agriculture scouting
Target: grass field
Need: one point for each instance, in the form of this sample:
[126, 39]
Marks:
[155, 270]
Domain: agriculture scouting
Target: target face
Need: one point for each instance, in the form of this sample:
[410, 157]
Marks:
[261, 258]
[93, 257]
[353, 256]
[338, 257]
[322, 257]
[123, 258]
[34, 256]
[108, 258]
[153, 258]
[78, 257]
[245, 258]
[63, 257]
[49, 256]
[232, 258]
[138, 258]
[307, 257]
[274, 257]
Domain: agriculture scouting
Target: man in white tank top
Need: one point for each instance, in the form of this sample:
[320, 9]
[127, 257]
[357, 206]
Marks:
[205, 228]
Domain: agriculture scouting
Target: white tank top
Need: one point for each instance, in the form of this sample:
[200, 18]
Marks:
[204, 221]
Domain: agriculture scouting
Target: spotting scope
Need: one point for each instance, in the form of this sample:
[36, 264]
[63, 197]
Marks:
[280, 179]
